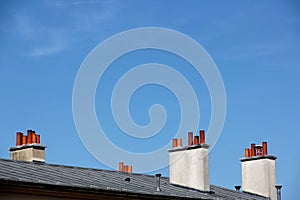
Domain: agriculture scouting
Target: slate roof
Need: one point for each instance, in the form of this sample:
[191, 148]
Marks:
[88, 178]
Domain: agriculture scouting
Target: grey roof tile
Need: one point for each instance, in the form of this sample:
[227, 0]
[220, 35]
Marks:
[78, 178]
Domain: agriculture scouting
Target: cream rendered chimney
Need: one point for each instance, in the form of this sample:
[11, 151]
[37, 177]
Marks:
[259, 171]
[189, 165]
[28, 148]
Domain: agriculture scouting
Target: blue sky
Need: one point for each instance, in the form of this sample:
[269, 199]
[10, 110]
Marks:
[255, 44]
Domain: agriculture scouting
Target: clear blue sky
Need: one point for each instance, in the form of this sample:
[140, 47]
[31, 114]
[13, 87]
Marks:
[255, 44]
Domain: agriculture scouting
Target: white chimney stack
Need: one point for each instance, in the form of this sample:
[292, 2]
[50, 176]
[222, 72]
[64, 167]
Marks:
[259, 171]
[189, 164]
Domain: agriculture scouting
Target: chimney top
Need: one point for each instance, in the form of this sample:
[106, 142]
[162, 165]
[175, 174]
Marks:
[278, 187]
[257, 152]
[193, 142]
[31, 138]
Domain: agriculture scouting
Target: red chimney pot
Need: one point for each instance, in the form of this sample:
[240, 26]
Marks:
[265, 148]
[247, 153]
[196, 140]
[38, 139]
[252, 152]
[29, 136]
[24, 139]
[125, 169]
[130, 169]
[33, 136]
[202, 137]
[174, 143]
[190, 138]
[179, 142]
[19, 139]
[121, 166]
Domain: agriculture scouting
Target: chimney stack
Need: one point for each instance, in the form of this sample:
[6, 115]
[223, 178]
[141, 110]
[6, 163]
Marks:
[259, 171]
[125, 168]
[189, 164]
[28, 148]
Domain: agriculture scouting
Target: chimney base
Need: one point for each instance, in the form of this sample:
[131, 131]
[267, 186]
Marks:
[28, 152]
[189, 167]
[259, 175]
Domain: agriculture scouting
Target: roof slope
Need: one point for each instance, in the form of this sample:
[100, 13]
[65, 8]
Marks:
[78, 178]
